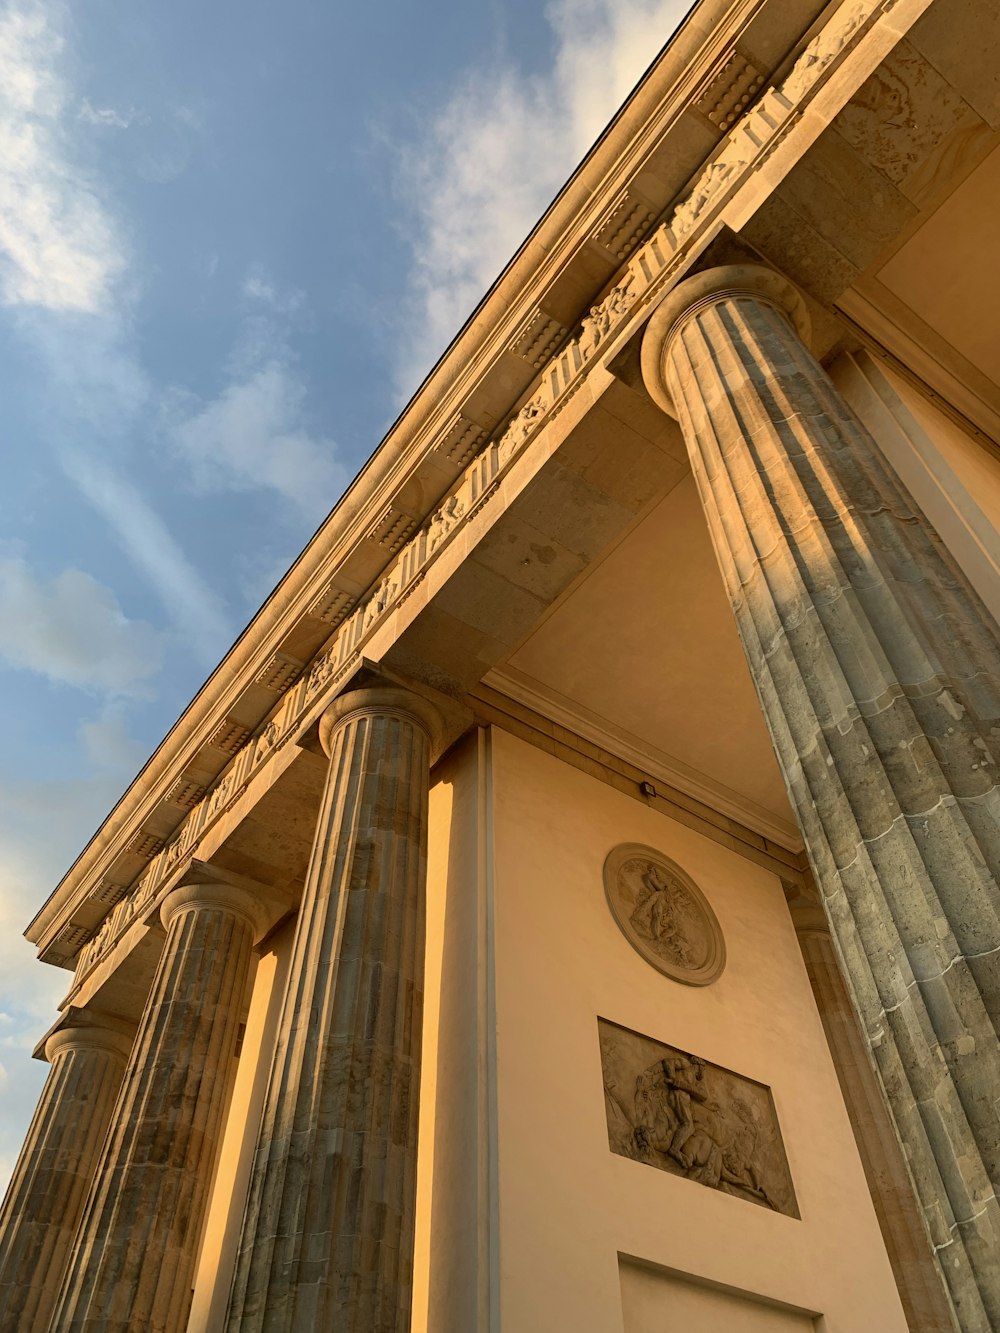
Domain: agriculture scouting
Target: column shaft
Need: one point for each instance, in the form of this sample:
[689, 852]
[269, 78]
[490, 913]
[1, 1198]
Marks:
[921, 1289]
[878, 670]
[45, 1199]
[328, 1235]
[133, 1260]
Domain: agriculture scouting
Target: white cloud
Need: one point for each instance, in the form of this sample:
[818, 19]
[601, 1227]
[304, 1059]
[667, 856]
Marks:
[501, 148]
[72, 630]
[194, 607]
[58, 247]
[106, 116]
[255, 435]
[107, 743]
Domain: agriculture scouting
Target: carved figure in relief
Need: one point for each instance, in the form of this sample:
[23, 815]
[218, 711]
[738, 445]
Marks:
[712, 180]
[220, 795]
[443, 522]
[321, 672]
[602, 318]
[379, 601]
[678, 1119]
[521, 427]
[683, 1115]
[658, 916]
[823, 48]
[663, 914]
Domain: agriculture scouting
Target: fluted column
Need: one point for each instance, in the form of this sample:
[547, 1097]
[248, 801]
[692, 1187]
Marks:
[878, 670]
[922, 1292]
[45, 1198]
[328, 1235]
[133, 1259]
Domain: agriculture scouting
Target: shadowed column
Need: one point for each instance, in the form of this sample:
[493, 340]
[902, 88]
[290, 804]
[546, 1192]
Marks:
[47, 1191]
[878, 670]
[922, 1292]
[133, 1260]
[328, 1236]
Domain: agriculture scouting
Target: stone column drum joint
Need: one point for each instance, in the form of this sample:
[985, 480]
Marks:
[328, 1231]
[878, 671]
[133, 1261]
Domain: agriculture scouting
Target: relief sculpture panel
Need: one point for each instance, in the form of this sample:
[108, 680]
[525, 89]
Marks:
[682, 1114]
[663, 914]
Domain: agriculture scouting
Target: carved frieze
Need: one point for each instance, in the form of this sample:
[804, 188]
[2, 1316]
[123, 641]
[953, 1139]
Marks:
[663, 914]
[826, 46]
[443, 521]
[685, 1115]
[464, 442]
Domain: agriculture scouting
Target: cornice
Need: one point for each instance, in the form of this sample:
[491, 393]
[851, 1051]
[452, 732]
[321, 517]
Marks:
[355, 569]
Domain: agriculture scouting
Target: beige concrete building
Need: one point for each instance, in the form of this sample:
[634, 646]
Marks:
[573, 903]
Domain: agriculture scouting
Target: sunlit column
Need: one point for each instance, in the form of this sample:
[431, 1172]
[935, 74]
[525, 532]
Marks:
[328, 1237]
[878, 670]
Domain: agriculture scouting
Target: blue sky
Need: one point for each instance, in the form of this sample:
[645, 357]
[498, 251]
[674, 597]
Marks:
[233, 238]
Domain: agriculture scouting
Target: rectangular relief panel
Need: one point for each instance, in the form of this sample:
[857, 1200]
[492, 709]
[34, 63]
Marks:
[682, 1114]
[658, 1301]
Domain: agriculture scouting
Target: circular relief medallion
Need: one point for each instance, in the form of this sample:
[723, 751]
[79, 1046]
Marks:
[663, 914]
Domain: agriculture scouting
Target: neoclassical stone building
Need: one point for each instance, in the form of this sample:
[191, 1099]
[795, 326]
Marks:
[573, 903]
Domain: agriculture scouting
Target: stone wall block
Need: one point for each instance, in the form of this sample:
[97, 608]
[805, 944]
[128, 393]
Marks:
[878, 671]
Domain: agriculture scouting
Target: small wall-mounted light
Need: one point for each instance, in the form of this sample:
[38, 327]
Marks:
[647, 789]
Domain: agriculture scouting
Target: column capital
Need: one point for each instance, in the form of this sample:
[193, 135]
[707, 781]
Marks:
[85, 1029]
[705, 289]
[219, 894]
[382, 699]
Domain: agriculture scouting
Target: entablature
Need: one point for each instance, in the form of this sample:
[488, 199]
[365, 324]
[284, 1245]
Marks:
[509, 374]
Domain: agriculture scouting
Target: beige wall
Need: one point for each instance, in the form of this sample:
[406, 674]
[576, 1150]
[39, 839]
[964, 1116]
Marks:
[953, 476]
[567, 1207]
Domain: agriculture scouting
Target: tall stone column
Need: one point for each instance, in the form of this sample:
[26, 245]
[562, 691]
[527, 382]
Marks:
[45, 1199]
[878, 670]
[133, 1260]
[924, 1297]
[328, 1234]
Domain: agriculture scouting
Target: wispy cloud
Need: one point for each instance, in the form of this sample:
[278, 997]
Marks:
[107, 117]
[500, 149]
[73, 631]
[256, 434]
[58, 246]
[193, 606]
